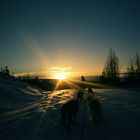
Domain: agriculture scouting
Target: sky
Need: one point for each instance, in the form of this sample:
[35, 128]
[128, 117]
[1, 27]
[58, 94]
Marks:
[47, 36]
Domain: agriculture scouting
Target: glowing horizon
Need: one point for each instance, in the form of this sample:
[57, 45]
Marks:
[73, 35]
[61, 75]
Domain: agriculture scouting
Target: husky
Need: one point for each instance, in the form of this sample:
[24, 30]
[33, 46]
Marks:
[95, 110]
[80, 95]
[90, 91]
[69, 111]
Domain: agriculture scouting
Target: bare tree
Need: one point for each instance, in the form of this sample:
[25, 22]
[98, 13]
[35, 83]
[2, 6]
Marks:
[137, 63]
[133, 70]
[137, 67]
[130, 71]
[111, 68]
[130, 67]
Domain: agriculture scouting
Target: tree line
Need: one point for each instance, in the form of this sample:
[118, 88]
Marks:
[111, 73]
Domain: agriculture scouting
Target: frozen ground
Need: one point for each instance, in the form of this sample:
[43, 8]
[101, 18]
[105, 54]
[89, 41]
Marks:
[39, 118]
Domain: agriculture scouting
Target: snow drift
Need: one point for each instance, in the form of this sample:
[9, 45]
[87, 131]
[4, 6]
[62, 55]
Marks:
[14, 93]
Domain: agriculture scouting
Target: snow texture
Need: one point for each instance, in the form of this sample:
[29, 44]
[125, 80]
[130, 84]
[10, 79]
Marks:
[29, 114]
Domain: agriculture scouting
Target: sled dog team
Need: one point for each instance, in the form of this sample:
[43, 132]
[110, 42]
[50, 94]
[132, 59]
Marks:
[69, 110]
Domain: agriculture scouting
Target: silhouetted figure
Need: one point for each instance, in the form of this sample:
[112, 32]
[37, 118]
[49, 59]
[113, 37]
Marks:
[91, 91]
[69, 111]
[95, 110]
[82, 85]
[82, 78]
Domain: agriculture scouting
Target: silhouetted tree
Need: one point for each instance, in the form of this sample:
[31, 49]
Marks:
[137, 62]
[133, 70]
[5, 70]
[130, 71]
[111, 69]
[137, 67]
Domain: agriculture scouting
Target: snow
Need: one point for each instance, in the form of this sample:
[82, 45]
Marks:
[14, 93]
[39, 117]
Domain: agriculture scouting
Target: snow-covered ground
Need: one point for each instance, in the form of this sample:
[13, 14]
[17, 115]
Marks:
[14, 93]
[39, 117]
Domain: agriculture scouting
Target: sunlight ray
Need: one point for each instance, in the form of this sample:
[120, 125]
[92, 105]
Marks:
[57, 85]
[91, 84]
[38, 124]
[72, 85]
[41, 57]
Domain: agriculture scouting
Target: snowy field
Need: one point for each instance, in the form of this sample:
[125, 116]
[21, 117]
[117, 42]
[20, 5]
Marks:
[39, 117]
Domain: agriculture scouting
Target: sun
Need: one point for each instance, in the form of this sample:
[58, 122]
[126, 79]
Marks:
[60, 76]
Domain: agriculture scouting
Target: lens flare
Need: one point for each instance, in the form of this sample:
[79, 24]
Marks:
[60, 76]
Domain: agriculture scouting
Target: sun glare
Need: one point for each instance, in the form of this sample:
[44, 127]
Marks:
[60, 76]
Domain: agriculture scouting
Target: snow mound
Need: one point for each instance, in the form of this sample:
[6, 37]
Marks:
[14, 93]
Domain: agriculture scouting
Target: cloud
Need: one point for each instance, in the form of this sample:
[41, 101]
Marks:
[50, 72]
[25, 74]
[61, 68]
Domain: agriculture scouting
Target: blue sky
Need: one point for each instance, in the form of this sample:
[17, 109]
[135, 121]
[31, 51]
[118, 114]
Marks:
[37, 35]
